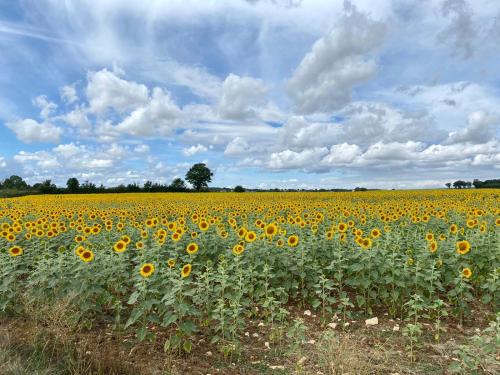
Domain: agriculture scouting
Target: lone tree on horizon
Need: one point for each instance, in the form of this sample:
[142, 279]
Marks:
[199, 176]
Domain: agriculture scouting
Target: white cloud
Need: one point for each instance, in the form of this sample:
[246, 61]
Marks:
[241, 96]
[30, 131]
[156, 117]
[78, 119]
[68, 94]
[3, 163]
[193, 150]
[308, 159]
[142, 149]
[337, 62]
[342, 155]
[481, 127]
[105, 90]
[47, 107]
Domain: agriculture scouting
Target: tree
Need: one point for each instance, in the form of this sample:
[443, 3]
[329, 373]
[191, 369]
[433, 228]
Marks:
[468, 184]
[239, 189]
[448, 185]
[73, 184]
[15, 182]
[47, 187]
[148, 185]
[199, 176]
[178, 184]
[459, 184]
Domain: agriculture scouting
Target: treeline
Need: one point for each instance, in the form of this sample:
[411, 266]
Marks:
[488, 184]
[15, 184]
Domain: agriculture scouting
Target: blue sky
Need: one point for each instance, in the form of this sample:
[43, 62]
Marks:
[269, 93]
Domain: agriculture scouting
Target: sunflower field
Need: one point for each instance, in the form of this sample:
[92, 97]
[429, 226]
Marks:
[207, 262]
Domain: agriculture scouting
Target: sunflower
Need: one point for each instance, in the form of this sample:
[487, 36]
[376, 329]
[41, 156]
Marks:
[250, 236]
[366, 243]
[186, 270]
[176, 237]
[238, 249]
[147, 270]
[429, 237]
[79, 239]
[15, 251]
[280, 242]
[454, 228]
[192, 248]
[433, 246]
[470, 223]
[87, 256]
[467, 273]
[139, 245]
[375, 233]
[242, 232]
[171, 263]
[342, 227]
[126, 239]
[271, 230]
[120, 246]
[79, 250]
[497, 222]
[329, 235]
[463, 247]
[293, 240]
[203, 226]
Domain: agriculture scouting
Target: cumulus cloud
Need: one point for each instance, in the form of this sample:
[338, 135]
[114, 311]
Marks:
[481, 127]
[106, 90]
[68, 94]
[156, 117]
[193, 150]
[241, 96]
[337, 62]
[3, 163]
[46, 106]
[30, 131]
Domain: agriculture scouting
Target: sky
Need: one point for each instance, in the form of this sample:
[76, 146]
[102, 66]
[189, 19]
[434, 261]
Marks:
[268, 93]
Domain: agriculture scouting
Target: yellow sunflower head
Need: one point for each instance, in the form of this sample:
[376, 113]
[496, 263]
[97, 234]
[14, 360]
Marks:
[147, 269]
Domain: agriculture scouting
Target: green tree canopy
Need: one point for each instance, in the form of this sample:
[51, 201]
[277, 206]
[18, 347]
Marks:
[73, 184]
[199, 176]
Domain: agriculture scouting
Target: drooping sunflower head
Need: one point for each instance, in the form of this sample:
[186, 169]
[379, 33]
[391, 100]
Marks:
[171, 263]
[147, 269]
[186, 270]
[432, 246]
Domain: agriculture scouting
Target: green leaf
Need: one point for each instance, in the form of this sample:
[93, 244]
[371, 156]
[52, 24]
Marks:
[169, 319]
[187, 346]
[315, 303]
[360, 300]
[188, 327]
[133, 297]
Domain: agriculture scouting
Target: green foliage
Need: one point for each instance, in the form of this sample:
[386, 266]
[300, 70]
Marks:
[199, 175]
